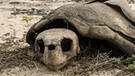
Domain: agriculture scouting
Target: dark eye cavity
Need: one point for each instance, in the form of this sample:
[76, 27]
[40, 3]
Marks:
[66, 44]
[41, 45]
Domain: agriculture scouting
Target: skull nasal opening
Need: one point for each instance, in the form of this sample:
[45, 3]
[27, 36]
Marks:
[41, 46]
[66, 44]
[51, 47]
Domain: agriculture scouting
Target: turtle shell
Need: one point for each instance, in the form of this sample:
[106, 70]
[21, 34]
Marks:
[94, 20]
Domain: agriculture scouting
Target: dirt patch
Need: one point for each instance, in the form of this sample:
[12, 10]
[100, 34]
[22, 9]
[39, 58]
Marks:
[18, 63]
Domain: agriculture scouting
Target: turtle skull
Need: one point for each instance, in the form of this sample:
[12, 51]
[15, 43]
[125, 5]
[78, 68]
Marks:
[56, 47]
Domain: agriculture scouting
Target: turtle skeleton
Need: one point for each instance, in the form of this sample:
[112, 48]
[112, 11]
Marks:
[110, 21]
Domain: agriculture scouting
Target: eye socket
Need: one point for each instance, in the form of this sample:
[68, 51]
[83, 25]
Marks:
[66, 44]
[41, 46]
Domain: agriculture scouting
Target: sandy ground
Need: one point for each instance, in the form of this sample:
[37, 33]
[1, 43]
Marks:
[15, 59]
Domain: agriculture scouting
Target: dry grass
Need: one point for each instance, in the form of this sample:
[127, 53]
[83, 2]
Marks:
[17, 58]
[81, 66]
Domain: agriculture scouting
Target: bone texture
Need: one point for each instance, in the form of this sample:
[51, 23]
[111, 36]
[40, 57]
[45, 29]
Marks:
[56, 58]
